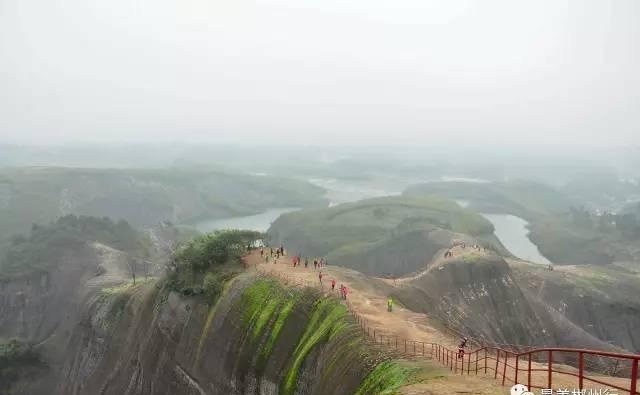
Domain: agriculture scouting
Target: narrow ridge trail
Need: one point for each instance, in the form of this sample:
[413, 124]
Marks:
[113, 264]
[368, 297]
[439, 261]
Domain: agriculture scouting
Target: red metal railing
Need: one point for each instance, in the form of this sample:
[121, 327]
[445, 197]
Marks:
[538, 368]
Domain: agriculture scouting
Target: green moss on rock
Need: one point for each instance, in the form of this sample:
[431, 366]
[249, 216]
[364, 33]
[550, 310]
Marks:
[282, 316]
[327, 319]
[386, 378]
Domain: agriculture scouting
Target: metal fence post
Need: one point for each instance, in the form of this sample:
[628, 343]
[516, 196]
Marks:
[580, 370]
[550, 369]
[529, 372]
[634, 377]
[517, 369]
[504, 371]
[485, 361]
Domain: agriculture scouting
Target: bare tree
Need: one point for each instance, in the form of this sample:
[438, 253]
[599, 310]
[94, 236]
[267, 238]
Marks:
[132, 263]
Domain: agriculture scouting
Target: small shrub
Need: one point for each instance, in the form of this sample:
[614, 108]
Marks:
[213, 285]
[17, 360]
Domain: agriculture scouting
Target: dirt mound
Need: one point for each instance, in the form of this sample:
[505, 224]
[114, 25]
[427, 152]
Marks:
[399, 255]
[601, 301]
[481, 297]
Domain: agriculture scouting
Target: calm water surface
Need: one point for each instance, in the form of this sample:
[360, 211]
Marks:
[259, 222]
[514, 235]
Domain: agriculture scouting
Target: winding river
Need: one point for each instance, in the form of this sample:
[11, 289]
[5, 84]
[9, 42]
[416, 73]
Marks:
[260, 222]
[513, 233]
[338, 192]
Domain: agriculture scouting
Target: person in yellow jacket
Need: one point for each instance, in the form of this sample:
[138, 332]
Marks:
[390, 304]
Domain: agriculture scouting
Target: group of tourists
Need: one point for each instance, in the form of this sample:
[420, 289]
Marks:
[296, 260]
[279, 251]
[463, 245]
[343, 290]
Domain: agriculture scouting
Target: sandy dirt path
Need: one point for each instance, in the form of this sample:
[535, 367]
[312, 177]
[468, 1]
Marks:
[113, 267]
[439, 261]
[368, 298]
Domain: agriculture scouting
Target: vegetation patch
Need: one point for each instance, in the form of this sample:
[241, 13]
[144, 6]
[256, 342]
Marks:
[386, 378]
[526, 199]
[328, 318]
[210, 316]
[349, 232]
[254, 299]
[266, 305]
[142, 196]
[565, 232]
[37, 251]
[204, 264]
[282, 316]
[18, 360]
[115, 299]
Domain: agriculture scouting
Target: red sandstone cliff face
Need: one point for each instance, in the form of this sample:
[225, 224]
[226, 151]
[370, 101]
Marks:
[489, 302]
[144, 340]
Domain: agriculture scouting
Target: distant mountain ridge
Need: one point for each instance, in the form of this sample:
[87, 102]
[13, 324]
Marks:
[143, 197]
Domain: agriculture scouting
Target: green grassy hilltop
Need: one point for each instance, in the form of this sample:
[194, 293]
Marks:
[374, 230]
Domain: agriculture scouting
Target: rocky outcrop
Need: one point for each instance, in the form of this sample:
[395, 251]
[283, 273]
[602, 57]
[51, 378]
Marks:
[399, 255]
[480, 298]
[483, 299]
[33, 306]
[601, 301]
[258, 338]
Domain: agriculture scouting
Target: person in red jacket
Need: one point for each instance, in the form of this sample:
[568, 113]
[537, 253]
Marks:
[333, 284]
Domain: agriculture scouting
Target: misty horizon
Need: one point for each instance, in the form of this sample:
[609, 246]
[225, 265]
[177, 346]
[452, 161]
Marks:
[358, 73]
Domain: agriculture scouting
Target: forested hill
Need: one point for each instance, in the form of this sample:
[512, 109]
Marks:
[390, 235]
[45, 245]
[141, 196]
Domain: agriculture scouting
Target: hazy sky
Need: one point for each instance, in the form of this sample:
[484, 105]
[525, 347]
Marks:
[320, 71]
